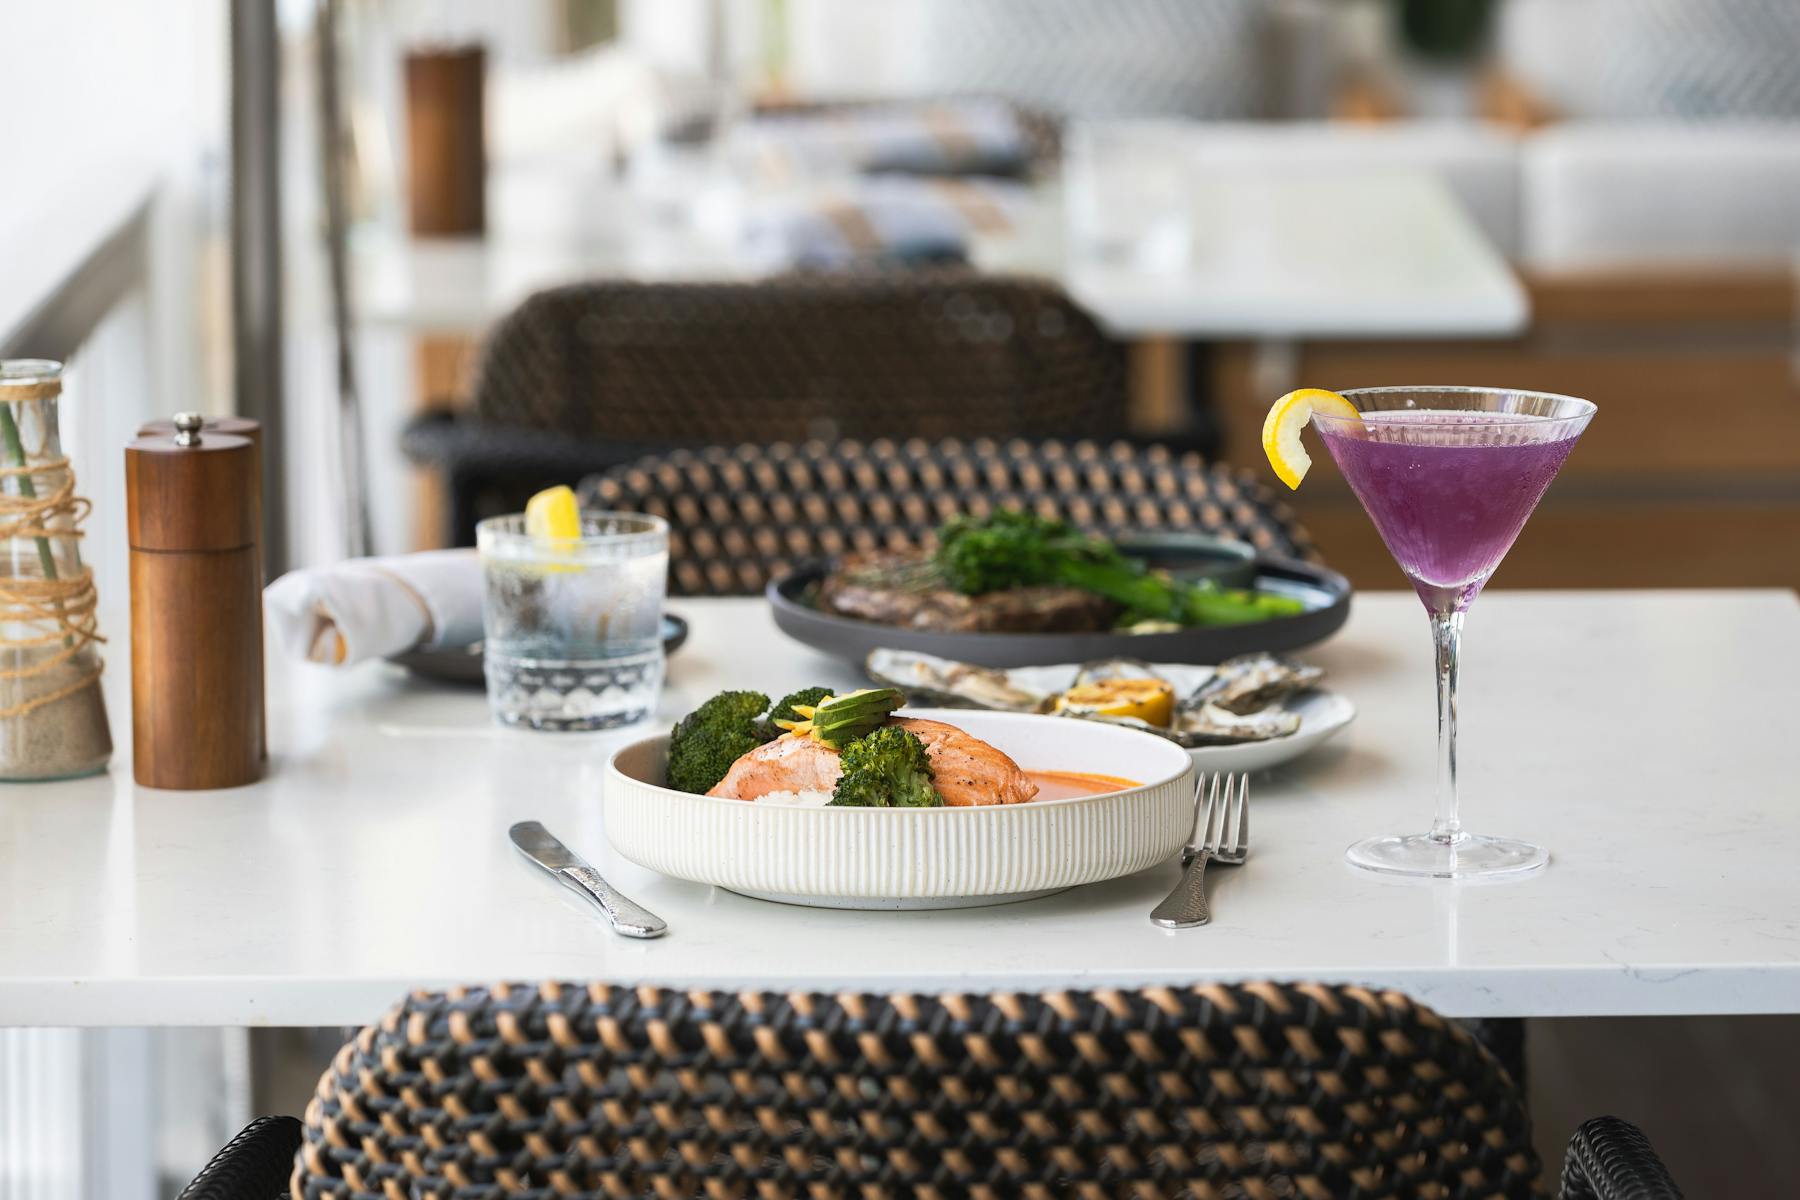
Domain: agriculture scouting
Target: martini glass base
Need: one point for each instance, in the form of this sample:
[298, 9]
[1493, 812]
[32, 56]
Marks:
[1469, 856]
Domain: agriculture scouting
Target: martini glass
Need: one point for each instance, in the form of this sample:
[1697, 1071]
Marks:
[1449, 476]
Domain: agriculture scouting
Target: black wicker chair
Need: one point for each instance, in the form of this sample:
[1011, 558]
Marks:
[594, 375]
[1253, 1090]
[741, 515]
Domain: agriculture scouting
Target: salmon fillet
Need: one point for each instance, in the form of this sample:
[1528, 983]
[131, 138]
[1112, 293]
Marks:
[965, 770]
[791, 763]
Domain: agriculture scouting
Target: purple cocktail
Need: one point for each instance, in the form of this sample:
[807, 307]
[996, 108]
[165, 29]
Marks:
[1448, 491]
[1450, 476]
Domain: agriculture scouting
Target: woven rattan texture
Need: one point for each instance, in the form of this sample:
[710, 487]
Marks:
[254, 1165]
[1610, 1159]
[1259, 1090]
[742, 515]
[861, 355]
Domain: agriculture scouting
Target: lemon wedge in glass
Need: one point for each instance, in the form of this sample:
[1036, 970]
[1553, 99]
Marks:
[1281, 429]
[553, 518]
[553, 514]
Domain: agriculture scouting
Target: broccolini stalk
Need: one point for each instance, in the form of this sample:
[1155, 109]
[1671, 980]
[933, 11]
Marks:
[1009, 549]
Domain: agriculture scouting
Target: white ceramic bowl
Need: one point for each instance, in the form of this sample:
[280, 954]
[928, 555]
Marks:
[917, 858]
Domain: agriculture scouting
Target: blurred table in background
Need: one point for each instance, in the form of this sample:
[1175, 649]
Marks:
[1385, 255]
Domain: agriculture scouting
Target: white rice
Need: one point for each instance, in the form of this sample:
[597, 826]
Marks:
[806, 799]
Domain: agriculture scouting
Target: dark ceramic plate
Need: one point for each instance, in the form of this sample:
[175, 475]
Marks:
[462, 664]
[1326, 595]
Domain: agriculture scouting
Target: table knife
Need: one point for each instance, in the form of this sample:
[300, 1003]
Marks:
[628, 917]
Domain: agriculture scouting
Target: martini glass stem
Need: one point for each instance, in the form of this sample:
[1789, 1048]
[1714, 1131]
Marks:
[1446, 636]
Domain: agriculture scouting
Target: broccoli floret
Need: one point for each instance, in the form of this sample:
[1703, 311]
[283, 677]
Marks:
[887, 769]
[784, 709]
[708, 740]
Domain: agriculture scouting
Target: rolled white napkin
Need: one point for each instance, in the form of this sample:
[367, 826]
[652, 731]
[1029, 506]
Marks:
[373, 607]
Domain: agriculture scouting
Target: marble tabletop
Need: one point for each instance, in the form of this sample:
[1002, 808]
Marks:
[1646, 737]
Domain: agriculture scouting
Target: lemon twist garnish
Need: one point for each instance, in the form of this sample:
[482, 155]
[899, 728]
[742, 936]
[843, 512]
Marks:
[1289, 415]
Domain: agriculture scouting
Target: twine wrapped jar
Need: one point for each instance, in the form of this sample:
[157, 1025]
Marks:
[52, 714]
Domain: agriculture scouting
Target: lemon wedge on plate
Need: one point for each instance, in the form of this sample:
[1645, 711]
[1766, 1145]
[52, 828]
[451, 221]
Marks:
[553, 514]
[1149, 700]
[1281, 430]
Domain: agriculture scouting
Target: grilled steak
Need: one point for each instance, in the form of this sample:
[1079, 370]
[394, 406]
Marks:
[894, 589]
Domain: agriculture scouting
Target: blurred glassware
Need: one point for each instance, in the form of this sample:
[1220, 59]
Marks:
[1128, 195]
[52, 715]
[573, 625]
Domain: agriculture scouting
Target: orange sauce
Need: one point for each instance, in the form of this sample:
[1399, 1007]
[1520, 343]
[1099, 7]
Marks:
[1066, 785]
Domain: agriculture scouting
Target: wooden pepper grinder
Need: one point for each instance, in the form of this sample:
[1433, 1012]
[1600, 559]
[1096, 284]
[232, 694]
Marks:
[243, 427]
[193, 505]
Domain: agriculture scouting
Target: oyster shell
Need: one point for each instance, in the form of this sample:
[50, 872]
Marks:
[1250, 683]
[1240, 702]
[1207, 726]
[1210, 725]
[927, 679]
[1116, 668]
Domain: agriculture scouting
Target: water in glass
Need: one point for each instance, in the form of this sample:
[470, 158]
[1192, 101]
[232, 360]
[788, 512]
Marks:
[574, 627]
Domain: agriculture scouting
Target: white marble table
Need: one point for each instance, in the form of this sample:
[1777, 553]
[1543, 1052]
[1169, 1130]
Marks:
[1647, 737]
[1389, 255]
[1381, 255]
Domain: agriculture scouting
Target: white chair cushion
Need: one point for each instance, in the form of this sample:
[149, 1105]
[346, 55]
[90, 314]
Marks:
[1597, 195]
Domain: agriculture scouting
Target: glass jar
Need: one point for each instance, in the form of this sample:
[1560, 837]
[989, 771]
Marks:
[52, 714]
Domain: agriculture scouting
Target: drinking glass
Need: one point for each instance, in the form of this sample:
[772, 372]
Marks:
[1449, 477]
[1129, 195]
[573, 626]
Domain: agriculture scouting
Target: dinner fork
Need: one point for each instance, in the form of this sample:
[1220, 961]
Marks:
[1221, 834]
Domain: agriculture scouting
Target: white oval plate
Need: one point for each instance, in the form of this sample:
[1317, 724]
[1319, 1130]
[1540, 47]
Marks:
[1322, 714]
[917, 858]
